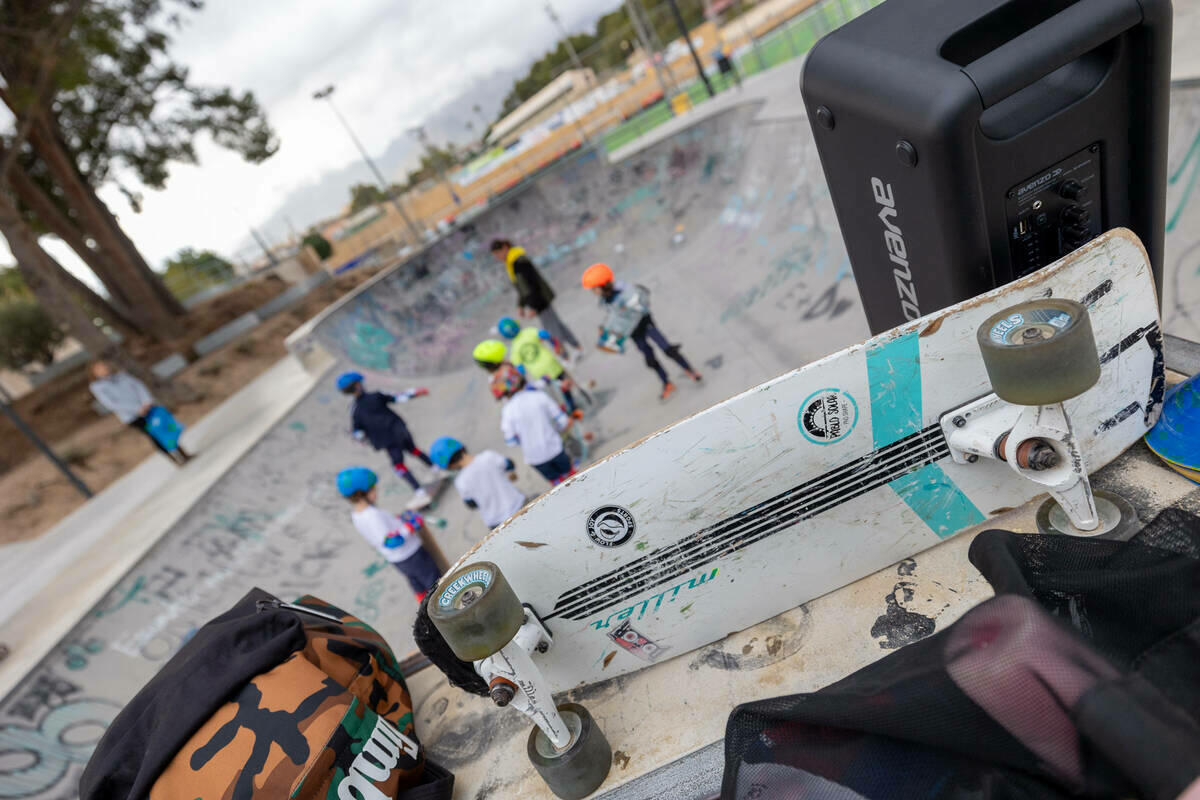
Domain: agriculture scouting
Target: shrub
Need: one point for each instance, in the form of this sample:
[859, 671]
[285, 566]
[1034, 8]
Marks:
[27, 334]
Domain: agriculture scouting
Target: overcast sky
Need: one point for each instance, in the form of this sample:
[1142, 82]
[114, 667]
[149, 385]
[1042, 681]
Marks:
[395, 65]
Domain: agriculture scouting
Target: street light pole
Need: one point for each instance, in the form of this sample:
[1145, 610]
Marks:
[578, 66]
[632, 9]
[687, 38]
[326, 94]
[567, 40]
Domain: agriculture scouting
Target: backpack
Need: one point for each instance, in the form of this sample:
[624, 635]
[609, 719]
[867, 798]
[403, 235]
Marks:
[1078, 679]
[269, 700]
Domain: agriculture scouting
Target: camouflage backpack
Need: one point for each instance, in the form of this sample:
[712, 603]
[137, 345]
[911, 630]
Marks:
[270, 700]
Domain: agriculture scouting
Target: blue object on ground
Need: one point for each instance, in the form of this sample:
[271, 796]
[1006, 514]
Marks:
[163, 427]
[1176, 437]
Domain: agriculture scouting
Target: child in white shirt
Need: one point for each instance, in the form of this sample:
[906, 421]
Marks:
[533, 421]
[484, 481]
[394, 537]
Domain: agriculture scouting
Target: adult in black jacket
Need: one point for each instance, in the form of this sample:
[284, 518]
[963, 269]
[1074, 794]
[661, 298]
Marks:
[534, 295]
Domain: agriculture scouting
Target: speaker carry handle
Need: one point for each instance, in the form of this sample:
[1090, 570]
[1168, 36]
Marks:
[1054, 43]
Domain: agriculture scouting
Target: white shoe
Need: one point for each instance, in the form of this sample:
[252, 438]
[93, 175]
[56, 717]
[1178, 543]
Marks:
[421, 498]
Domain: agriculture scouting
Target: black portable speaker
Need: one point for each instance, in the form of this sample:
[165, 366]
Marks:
[969, 142]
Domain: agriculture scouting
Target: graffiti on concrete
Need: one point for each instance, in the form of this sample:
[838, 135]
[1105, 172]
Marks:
[724, 190]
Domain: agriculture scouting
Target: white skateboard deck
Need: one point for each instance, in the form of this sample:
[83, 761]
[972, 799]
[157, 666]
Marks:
[809, 481]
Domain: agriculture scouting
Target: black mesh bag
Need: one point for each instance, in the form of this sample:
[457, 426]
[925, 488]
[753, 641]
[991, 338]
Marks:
[1081, 678]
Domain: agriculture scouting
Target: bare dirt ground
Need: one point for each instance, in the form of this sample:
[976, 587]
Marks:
[34, 495]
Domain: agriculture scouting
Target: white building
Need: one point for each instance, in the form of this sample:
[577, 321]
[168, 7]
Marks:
[570, 85]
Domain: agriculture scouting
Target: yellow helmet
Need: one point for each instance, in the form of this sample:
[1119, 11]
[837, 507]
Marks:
[489, 352]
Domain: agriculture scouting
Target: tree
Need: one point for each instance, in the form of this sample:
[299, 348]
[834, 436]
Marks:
[27, 334]
[56, 299]
[432, 159]
[12, 285]
[365, 195]
[113, 104]
[190, 272]
[319, 244]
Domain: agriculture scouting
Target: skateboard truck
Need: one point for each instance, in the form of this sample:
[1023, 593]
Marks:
[514, 679]
[1038, 355]
[1037, 442]
[478, 614]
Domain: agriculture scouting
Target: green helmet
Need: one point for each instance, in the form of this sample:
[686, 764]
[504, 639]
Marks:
[490, 353]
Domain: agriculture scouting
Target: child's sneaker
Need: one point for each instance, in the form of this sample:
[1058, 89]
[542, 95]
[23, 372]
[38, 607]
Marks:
[577, 414]
[420, 499]
[667, 391]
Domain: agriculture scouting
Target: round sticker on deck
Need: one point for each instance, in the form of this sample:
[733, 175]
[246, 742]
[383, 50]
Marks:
[827, 416]
[610, 526]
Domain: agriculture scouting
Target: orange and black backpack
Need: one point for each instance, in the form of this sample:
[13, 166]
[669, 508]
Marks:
[270, 700]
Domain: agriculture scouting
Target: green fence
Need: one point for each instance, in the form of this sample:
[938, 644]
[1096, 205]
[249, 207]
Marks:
[790, 40]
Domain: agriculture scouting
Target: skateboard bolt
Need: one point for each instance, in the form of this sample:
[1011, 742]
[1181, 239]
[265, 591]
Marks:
[542, 647]
[972, 458]
[958, 422]
[1043, 457]
[1030, 334]
[502, 692]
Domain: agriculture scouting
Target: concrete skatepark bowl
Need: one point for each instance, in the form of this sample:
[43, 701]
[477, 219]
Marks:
[756, 284]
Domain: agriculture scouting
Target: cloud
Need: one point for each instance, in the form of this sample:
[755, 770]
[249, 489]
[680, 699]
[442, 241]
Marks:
[395, 65]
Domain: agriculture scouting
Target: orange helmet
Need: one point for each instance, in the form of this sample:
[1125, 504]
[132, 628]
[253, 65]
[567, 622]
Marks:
[597, 275]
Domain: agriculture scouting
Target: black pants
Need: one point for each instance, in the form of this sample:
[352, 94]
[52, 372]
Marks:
[421, 571]
[557, 469]
[396, 452]
[646, 332]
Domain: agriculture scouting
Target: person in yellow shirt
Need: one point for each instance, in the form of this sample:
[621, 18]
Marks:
[527, 350]
[534, 295]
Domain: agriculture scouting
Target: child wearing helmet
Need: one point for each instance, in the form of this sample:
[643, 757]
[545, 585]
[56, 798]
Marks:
[529, 353]
[484, 481]
[627, 308]
[534, 295]
[395, 538]
[529, 419]
[374, 422]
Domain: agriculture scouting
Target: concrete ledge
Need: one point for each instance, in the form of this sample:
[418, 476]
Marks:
[227, 333]
[170, 366]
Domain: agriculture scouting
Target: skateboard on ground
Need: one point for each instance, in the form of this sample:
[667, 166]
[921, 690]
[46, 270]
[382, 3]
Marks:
[434, 489]
[807, 483]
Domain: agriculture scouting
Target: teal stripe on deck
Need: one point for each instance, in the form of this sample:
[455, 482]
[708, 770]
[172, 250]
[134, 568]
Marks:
[894, 372]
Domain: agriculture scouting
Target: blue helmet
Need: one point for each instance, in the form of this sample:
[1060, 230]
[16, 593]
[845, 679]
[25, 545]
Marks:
[443, 450]
[348, 379]
[355, 479]
[508, 327]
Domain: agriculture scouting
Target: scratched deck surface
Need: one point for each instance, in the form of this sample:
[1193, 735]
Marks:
[679, 705]
[778, 495]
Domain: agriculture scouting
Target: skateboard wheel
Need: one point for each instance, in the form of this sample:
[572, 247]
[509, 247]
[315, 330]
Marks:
[476, 611]
[1040, 352]
[580, 769]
